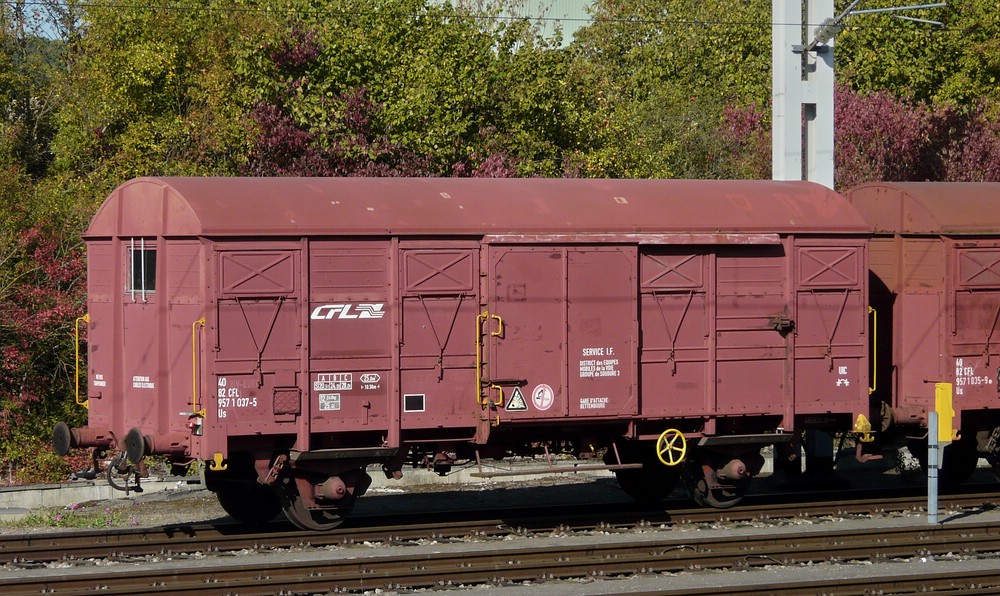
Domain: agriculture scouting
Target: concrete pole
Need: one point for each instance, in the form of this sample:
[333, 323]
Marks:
[802, 94]
[818, 101]
[786, 90]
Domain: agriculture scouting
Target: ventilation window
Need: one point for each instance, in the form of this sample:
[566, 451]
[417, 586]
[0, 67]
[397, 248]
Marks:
[141, 275]
[413, 402]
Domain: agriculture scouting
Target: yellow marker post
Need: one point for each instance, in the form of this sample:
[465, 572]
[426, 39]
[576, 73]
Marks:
[939, 434]
[946, 413]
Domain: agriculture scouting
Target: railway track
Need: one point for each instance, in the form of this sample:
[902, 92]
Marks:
[50, 546]
[487, 562]
[200, 559]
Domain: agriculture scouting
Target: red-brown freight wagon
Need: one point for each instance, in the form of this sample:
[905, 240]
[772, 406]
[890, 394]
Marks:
[935, 262]
[292, 332]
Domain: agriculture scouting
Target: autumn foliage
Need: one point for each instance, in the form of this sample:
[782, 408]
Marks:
[879, 136]
[284, 148]
[92, 94]
[882, 137]
[42, 295]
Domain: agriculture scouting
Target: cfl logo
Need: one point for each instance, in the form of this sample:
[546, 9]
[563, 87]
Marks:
[348, 311]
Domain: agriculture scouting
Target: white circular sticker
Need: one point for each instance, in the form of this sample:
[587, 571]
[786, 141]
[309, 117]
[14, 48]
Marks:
[542, 397]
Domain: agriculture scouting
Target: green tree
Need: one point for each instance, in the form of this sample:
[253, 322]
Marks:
[958, 63]
[40, 264]
[719, 49]
[449, 84]
[153, 90]
[168, 90]
[665, 73]
[28, 63]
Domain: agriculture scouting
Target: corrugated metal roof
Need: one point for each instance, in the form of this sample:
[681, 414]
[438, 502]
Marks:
[409, 206]
[929, 207]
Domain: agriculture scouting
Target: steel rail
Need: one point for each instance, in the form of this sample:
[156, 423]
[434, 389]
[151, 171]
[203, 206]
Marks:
[964, 582]
[117, 543]
[595, 557]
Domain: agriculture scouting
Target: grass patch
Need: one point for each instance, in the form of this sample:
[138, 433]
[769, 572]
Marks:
[75, 516]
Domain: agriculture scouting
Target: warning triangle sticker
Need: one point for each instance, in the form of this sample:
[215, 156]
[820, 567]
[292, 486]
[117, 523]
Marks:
[516, 402]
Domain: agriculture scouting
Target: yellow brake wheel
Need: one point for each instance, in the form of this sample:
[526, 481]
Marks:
[671, 447]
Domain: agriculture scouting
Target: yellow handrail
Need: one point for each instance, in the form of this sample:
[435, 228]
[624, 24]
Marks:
[874, 315]
[500, 398]
[194, 367]
[85, 318]
[479, 358]
[482, 399]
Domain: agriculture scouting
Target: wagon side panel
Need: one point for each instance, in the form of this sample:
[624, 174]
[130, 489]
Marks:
[831, 323]
[103, 333]
[918, 319]
[526, 332]
[975, 325]
[350, 339]
[439, 309]
[184, 309]
[753, 346]
[677, 341]
[257, 340]
[602, 332]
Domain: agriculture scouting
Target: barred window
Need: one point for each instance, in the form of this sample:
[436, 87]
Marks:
[141, 275]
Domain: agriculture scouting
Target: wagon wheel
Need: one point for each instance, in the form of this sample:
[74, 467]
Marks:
[706, 490]
[719, 497]
[960, 461]
[313, 519]
[671, 447]
[650, 484]
[250, 503]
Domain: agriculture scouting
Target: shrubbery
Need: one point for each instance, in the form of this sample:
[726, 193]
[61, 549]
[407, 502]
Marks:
[94, 94]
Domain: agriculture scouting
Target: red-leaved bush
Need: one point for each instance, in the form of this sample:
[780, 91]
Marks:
[882, 137]
[967, 145]
[41, 295]
[295, 50]
[749, 140]
[492, 160]
[350, 139]
[349, 148]
[878, 137]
